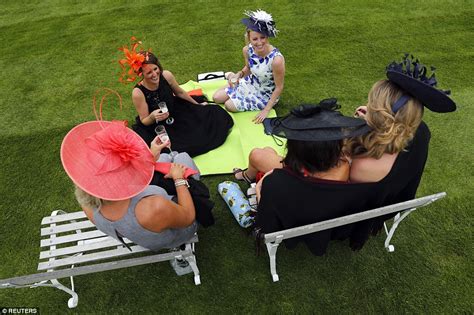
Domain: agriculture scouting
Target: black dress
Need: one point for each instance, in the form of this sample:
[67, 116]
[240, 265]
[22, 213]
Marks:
[196, 129]
[289, 200]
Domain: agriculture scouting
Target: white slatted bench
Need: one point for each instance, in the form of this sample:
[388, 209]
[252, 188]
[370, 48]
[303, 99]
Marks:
[72, 246]
[272, 240]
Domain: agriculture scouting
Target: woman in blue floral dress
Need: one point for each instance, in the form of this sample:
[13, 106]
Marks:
[259, 84]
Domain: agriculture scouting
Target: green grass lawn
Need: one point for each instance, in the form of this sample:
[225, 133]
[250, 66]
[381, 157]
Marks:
[55, 54]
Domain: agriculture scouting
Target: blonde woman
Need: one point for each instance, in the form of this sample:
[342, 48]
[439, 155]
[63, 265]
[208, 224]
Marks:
[396, 149]
[112, 167]
[260, 82]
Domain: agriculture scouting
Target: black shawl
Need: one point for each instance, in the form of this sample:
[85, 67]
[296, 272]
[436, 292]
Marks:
[289, 200]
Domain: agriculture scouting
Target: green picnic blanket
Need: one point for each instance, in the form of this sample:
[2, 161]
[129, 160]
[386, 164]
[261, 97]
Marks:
[245, 136]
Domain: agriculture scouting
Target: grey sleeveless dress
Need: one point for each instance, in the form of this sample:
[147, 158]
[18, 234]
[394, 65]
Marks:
[128, 226]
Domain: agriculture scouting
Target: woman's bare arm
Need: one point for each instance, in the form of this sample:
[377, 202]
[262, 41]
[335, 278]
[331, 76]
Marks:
[177, 90]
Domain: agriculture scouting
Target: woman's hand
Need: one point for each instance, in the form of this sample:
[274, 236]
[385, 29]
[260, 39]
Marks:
[176, 171]
[261, 116]
[156, 146]
[159, 116]
[234, 78]
[361, 111]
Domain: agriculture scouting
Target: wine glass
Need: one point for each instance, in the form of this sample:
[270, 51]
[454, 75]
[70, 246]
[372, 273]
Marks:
[161, 132]
[234, 79]
[164, 109]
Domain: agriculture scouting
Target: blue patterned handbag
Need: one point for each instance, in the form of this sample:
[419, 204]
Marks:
[237, 203]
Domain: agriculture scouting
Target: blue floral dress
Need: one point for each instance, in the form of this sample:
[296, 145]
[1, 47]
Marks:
[254, 91]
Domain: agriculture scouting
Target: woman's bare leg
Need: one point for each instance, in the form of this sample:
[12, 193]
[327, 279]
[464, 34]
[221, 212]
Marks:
[229, 105]
[264, 160]
[220, 96]
[261, 160]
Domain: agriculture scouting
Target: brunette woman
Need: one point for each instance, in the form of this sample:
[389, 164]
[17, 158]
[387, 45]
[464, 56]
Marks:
[192, 128]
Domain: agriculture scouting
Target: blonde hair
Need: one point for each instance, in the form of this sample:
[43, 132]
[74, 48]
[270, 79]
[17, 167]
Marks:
[86, 200]
[391, 132]
[247, 35]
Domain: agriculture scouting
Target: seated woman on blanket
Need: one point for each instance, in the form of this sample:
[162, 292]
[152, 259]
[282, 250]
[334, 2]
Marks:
[112, 167]
[192, 129]
[313, 184]
[260, 82]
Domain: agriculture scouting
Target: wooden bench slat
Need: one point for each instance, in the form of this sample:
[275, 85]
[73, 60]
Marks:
[78, 259]
[103, 242]
[63, 217]
[352, 218]
[82, 270]
[69, 227]
[70, 238]
[91, 244]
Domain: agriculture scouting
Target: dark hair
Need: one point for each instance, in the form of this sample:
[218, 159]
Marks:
[314, 156]
[151, 59]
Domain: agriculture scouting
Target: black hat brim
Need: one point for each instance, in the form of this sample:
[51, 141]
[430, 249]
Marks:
[432, 98]
[326, 126]
[254, 27]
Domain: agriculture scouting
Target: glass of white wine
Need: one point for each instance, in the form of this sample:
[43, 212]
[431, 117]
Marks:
[163, 135]
[164, 109]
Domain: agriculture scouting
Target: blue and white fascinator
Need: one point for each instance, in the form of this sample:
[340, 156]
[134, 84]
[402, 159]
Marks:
[261, 22]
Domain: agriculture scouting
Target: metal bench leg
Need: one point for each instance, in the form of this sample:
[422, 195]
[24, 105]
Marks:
[396, 221]
[72, 302]
[52, 283]
[192, 262]
[272, 249]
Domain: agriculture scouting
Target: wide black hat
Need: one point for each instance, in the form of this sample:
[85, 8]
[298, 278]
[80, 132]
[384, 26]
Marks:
[320, 122]
[261, 22]
[411, 76]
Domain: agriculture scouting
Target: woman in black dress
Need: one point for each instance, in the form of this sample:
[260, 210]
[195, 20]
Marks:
[394, 111]
[191, 126]
[313, 184]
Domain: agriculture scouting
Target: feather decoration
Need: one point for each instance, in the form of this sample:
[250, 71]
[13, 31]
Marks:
[259, 15]
[413, 68]
[263, 20]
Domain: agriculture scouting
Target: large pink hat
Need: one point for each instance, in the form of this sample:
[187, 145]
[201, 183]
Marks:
[107, 160]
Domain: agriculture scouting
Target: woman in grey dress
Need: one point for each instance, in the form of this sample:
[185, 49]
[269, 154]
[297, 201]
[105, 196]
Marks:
[111, 167]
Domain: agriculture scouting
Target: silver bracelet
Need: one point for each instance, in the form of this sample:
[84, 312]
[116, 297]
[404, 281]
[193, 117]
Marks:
[181, 182]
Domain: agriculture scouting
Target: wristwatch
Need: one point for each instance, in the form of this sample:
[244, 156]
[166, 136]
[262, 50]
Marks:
[181, 182]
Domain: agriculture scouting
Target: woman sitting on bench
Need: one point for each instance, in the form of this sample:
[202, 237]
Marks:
[394, 111]
[313, 184]
[394, 153]
[263, 160]
[111, 167]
